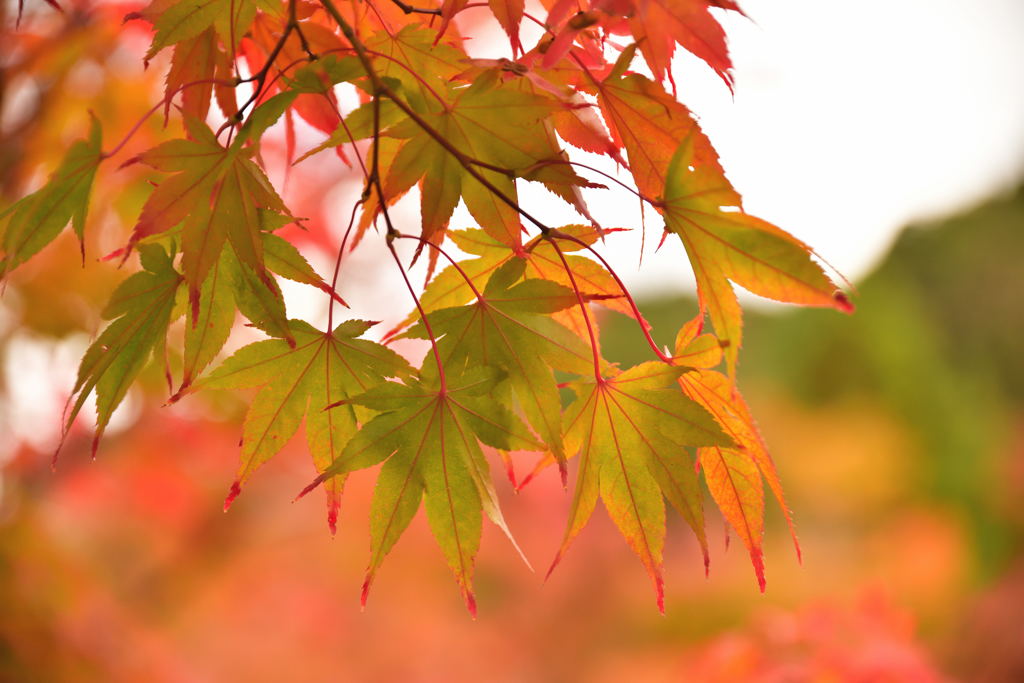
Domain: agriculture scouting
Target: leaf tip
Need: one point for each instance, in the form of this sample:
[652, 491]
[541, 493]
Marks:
[236, 488]
[470, 603]
[364, 592]
[524, 481]
[129, 162]
[185, 388]
[309, 487]
[121, 253]
[510, 472]
[757, 558]
[332, 516]
[324, 287]
[659, 589]
[554, 563]
[842, 302]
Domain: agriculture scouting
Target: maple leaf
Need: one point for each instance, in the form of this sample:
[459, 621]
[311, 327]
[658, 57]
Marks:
[428, 435]
[657, 25]
[631, 432]
[719, 396]
[651, 125]
[321, 370]
[216, 194]
[416, 58]
[675, 166]
[735, 485]
[510, 330]
[509, 14]
[34, 221]
[315, 102]
[141, 311]
[209, 324]
[724, 243]
[194, 61]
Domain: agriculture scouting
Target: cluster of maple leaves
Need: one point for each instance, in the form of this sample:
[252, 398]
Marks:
[510, 327]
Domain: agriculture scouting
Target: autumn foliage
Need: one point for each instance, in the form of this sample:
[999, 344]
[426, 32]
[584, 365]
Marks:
[514, 364]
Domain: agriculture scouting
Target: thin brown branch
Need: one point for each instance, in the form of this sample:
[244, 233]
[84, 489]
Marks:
[409, 9]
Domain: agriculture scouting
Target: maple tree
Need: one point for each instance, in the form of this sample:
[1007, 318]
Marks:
[514, 361]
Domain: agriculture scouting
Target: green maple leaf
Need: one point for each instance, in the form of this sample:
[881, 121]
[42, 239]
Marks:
[631, 432]
[428, 435]
[322, 369]
[34, 221]
[141, 311]
[508, 327]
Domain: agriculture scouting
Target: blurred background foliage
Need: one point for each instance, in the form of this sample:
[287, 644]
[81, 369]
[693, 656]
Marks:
[899, 434]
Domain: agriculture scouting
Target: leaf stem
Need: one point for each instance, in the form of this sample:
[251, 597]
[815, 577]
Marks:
[260, 77]
[451, 260]
[423, 316]
[629, 297]
[583, 308]
[337, 266]
[392, 232]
